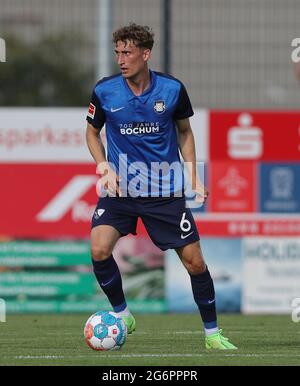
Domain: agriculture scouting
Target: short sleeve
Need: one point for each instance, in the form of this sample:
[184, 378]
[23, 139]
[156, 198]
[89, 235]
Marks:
[184, 107]
[96, 115]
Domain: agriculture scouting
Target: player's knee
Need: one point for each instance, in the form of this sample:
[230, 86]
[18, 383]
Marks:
[196, 266]
[100, 251]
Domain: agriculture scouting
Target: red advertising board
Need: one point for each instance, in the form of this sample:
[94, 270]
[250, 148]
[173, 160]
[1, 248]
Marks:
[254, 135]
[229, 225]
[47, 200]
[232, 186]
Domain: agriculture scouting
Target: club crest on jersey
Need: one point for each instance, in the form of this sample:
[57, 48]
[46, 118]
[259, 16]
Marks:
[159, 106]
[91, 111]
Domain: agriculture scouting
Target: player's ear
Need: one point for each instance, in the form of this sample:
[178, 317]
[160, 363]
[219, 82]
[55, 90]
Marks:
[146, 54]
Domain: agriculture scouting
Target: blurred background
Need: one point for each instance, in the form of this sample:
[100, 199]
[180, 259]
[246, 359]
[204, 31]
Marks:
[235, 58]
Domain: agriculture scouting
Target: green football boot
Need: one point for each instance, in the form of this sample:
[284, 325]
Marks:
[130, 323]
[219, 342]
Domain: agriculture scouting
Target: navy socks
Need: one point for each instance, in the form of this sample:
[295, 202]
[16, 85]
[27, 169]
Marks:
[204, 295]
[109, 278]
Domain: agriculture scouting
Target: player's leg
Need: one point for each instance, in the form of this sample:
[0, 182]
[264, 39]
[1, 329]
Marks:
[103, 240]
[204, 294]
[202, 284]
[171, 225]
[110, 222]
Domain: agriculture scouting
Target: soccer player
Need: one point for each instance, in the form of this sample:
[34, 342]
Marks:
[146, 114]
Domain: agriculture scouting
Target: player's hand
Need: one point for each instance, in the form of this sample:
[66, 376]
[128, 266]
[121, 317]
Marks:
[109, 179]
[201, 194]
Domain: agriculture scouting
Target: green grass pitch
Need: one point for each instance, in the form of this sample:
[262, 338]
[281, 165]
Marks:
[160, 340]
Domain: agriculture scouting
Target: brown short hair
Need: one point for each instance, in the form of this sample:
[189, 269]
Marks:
[142, 36]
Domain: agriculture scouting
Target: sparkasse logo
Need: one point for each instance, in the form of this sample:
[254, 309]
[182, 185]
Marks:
[2, 50]
[245, 141]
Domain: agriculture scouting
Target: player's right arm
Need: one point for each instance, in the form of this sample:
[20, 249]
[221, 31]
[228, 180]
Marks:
[95, 144]
[108, 178]
[95, 121]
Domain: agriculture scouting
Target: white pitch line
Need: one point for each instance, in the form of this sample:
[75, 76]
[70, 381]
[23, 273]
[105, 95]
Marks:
[101, 355]
[194, 332]
[39, 357]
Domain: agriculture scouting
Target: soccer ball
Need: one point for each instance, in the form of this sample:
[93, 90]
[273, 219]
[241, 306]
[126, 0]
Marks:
[105, 330]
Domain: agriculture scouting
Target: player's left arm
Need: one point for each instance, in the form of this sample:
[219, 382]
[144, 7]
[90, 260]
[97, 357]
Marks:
[187, 148]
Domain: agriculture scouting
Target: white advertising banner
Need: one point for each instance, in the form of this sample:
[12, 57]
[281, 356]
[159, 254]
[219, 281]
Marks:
[199, 122]
[271, 274]
[50, 135]
[38, 135]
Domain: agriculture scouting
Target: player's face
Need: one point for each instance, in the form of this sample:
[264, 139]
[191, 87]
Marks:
[131, 59]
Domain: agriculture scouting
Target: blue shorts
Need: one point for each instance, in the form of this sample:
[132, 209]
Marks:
[169, 223]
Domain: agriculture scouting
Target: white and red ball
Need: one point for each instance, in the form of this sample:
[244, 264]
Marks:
[105, 330]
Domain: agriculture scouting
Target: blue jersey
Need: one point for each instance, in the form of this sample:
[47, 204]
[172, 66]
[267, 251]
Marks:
[141, 132]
